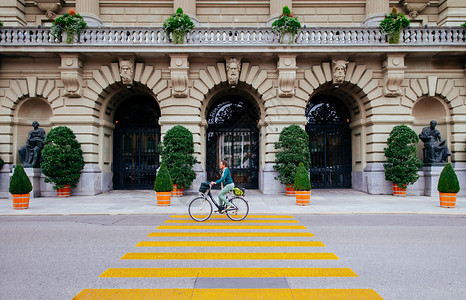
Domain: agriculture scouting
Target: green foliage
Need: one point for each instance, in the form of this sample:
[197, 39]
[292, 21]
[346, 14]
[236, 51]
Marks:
[177, 24]
[20, 183]
[71, 23]
[177, 150]
[402, 162]
[1, 23]
[448, 181]
[302, 182]
[286, 23]
[62, 158]
[393, 24]
[293, 146]
[464, 24]
[1, 163]
[163, 181]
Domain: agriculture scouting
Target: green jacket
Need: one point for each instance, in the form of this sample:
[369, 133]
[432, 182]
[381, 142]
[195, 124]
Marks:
[226, 177]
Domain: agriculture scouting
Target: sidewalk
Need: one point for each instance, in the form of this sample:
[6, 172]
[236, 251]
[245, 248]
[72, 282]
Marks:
[344, 201]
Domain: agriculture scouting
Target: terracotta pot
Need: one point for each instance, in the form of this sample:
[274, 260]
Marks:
[447, 200]
[163, 198]
[303, 198]
[177, 192]
[64, 192]
[20, 201]
[289, 190]
[399, 191]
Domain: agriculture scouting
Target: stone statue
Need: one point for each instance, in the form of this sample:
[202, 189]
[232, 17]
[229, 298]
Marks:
[233, 69]
[339, 70]
[435, 149]
[29, 154]
[126, 70]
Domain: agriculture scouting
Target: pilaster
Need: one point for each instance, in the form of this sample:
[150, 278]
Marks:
[451, 12]
[393, 74]
[375, 12]
[189, 8]
[90, 11]
[72, 74]
[13, 13]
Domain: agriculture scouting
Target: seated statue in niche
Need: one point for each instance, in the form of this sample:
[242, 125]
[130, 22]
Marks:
[435, 149]
[29, 154]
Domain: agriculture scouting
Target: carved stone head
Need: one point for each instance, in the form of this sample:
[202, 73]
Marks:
[233, 68]
[126, 70]
[339, 70]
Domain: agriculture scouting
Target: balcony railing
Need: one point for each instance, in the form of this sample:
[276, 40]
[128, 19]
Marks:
[112, 36]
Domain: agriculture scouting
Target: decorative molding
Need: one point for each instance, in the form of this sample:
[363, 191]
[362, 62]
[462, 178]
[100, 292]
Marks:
[339, 69]
[51, 7]
[72, 75]
[233, 69]
[414, 7]
[179, 67]
[286, 75]
[393, 74]
[126, 70]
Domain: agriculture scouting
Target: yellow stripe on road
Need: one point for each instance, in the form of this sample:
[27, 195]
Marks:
[230, 234]
[229, 294]
[224, 256]
[229, 244]
[200, 226]
[229, 272]
[249, 217]
[229, 221]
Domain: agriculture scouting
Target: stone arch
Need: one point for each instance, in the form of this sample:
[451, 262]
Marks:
[32, 87]
[442, 89]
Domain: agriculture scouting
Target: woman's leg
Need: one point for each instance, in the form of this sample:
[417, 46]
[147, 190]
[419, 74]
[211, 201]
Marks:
[221, 194]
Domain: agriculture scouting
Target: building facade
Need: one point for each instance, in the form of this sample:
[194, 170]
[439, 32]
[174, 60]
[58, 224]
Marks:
[122, 85]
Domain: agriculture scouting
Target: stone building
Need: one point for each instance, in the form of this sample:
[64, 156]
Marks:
[234, 86]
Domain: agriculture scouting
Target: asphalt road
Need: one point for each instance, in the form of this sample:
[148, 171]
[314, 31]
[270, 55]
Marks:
[396, 256]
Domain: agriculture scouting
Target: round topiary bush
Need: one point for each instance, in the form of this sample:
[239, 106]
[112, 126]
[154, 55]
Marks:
[20, 183]
[302, 182]
[293, 148]
[62, 158]
[402, 162]
[176, 151]
[448, 181]
[163, 181]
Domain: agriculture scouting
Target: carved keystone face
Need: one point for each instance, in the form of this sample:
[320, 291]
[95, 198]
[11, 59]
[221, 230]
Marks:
[339, 71]
[233, 69]
[126, 71]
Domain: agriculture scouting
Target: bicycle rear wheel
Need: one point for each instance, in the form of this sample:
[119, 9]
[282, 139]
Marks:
[200, 209]
[239, 209]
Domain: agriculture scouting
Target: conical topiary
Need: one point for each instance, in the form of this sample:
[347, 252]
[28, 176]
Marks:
[302, 182]
[163, 181]
[20, 183]
[448, 181]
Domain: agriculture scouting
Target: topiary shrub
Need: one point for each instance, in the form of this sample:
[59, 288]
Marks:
[176, 151]
[302, 182]
[402, 162]
[293, 148]
[448, 181]
[20, 183]
[1, 163]
[163, 181]
[62, 158]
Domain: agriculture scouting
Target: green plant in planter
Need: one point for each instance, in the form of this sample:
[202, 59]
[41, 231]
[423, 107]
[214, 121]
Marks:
[448, 181]
[71, 23]
[176, 151]
[20, 183]
[163, 181]
[286, 23]
[464, 24]
[177, 25]
[62, 158]
[293, 148]
[302, 182]
[393, 24]
[402, 162]
[1, 23]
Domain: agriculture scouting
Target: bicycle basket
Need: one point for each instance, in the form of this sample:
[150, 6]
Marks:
[238, 191]
[204, 187]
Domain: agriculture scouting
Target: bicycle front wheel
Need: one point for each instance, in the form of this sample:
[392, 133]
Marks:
[239, 209]
[200, 209]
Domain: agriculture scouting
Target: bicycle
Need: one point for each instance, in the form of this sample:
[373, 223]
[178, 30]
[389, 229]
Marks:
[200, 208]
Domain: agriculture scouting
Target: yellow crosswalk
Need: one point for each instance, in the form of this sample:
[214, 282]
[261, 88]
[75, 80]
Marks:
[187, 217]
[229, 255]
[234, 226]
[229, 244]
[229, 221]
[230, 234]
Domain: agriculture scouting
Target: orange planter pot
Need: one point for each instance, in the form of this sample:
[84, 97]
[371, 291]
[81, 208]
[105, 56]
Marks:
[290, 192]
[303, 198]
[177, 192]
[163, 198]
[398, 191]
[20, 201]
[447, 200]
[64, 192]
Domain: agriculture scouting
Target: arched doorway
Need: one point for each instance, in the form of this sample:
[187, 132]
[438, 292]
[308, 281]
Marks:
[135, 143]
[328, 122]
[232, 134]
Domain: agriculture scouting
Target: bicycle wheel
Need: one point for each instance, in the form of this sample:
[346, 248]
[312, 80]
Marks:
[239, 209]
[200, 209]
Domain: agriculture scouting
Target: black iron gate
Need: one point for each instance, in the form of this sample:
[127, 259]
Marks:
[329, 143]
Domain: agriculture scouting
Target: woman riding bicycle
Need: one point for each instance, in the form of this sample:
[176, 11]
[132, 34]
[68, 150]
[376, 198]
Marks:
[228, 185]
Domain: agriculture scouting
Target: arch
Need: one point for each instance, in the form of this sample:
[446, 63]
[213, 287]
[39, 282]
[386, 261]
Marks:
[442, 89]
[32, 87]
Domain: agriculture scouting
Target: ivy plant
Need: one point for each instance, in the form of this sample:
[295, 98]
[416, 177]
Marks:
[392, 25]
[286, 23]
[177, 25]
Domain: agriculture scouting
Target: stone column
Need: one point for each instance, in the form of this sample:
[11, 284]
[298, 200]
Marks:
[13, 13]
[189, 8]
[276, 8]
[451, 12]
[375, 12]
[90, 11]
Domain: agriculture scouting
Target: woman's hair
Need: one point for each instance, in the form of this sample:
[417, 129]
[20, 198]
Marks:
[224, 163]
